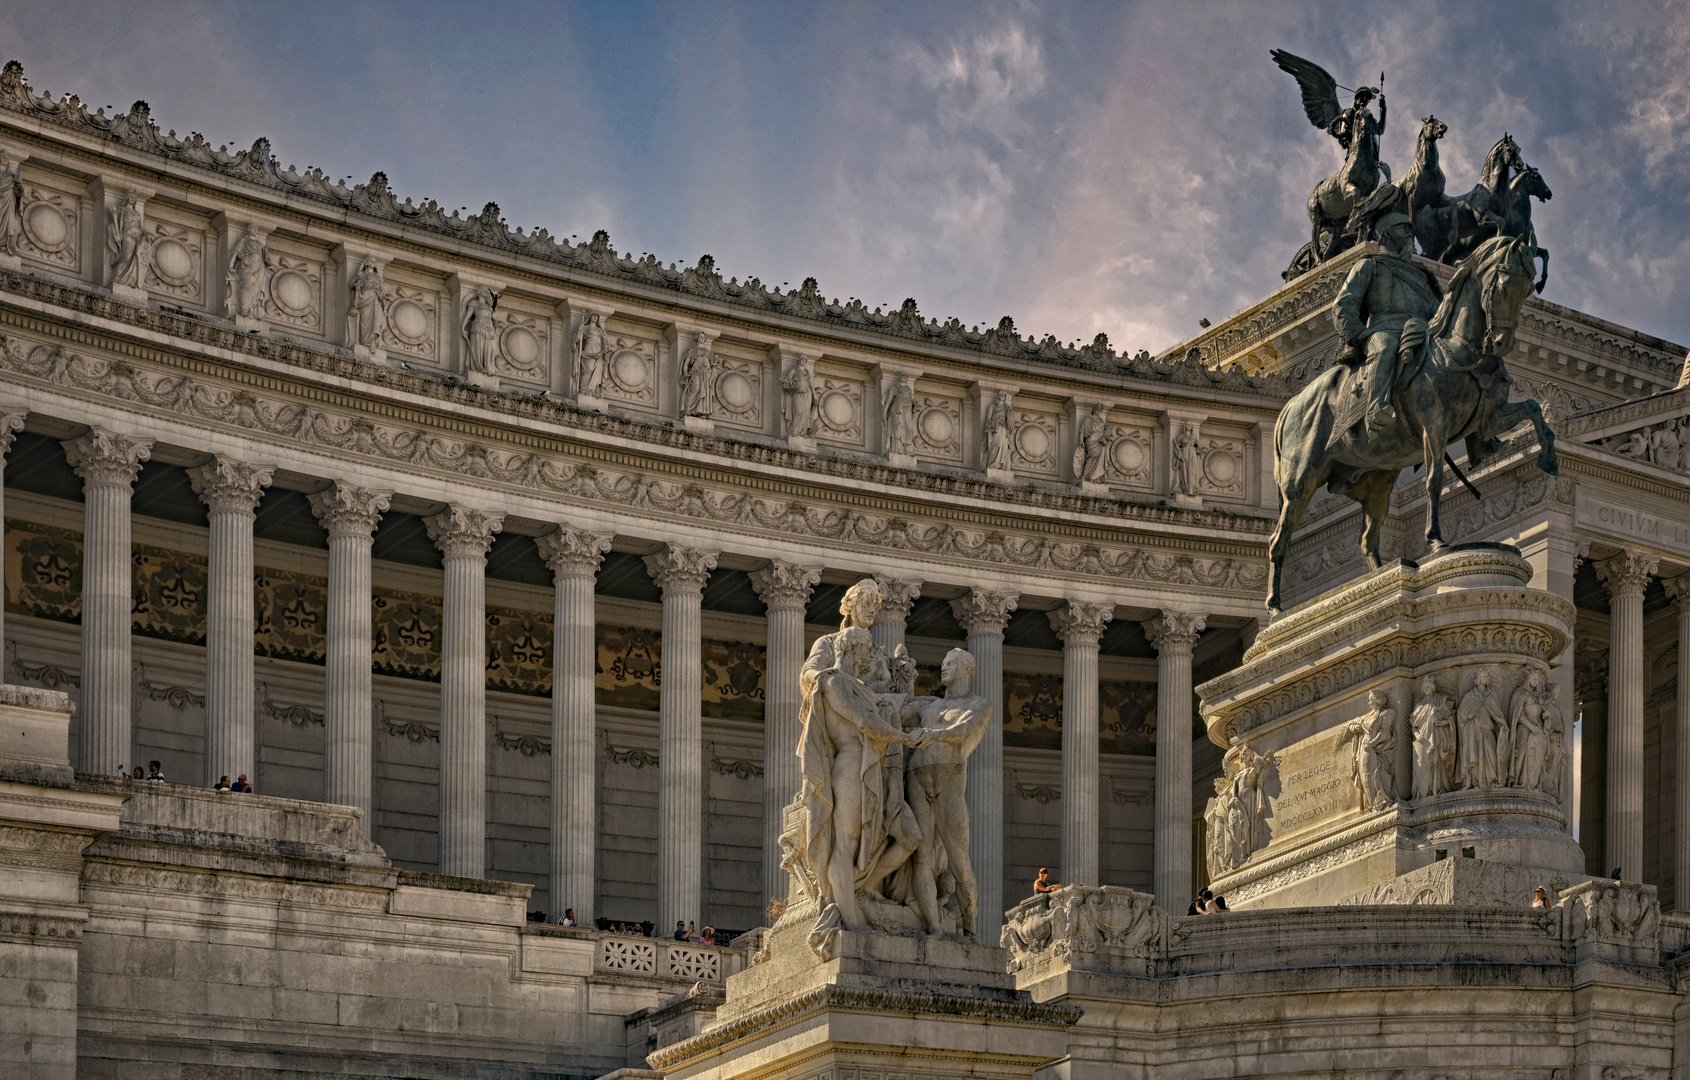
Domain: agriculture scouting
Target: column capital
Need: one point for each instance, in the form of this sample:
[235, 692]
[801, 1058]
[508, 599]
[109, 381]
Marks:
[784, 584]
[573, 552]
[896, 597]
[982, 612]
[680, 569]
[105, 457]
[226, 484]
[1627, 573]
[1173, 633]
[1080, 623]
[1678, 588]
[460, 532]
[345, 510]
[11, 422]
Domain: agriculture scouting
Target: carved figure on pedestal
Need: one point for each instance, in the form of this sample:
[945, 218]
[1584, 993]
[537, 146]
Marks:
[245, 280]
[592, 355]
[11, 201]
[1480, 718]
[481, 335]
[1434, 742]
[1372, 768]
[900, 416]
[798, 399]
[1555, 737]
[698, 379]
[1091, 441]
[1237, 814]
[367, 314]
[995, 427]
[1184, 459]
[1530, 739]
[128, 243]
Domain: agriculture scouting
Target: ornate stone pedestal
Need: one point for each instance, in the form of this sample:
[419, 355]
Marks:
[1400, 720]
[882, 1005]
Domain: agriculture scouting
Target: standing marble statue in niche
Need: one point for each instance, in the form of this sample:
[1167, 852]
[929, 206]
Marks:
[900, 416]
[245, 279]
[1433, 721]
[128, 244]
[798, 399]
[481, 335]
[996, 424]
[1184, 460]
[1479, 721]
[1090, 443]
[11, 201]
[592, 355]
[367, 314]
[880, 842]
[1372, 762]
[698, 379]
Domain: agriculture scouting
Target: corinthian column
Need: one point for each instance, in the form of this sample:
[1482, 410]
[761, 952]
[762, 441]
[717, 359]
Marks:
[574, 556]
[1079, 626]
[1172, 634]
[983, 616]
[785, 589]
[349, 515]
[1626, 575]
[108, 464]
[896, 600]
[680, 572]
[1679, 589]
[10, 421]
[463, 537]
[230, 491]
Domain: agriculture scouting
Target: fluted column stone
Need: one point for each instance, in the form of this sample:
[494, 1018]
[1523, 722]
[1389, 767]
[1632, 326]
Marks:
[681, 573]
[896, 599]
[1679, 589]
[230, 490]
[1172, 634]
[108, 464]
[1626, 574]
[11, 420]
[785, 589]
[1080, 626]
[349, 515]
[574, 556]
[983, 616]
[463, 536]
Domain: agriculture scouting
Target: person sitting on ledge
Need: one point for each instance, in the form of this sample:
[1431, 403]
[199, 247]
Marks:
[1540, 899]
[568, 917]
[155, 771]
[680, 929]
[1043, 883]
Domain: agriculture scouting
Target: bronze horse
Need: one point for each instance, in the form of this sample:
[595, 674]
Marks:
[1455, 387]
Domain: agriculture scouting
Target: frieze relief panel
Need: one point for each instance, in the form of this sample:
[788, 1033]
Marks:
[839, 392]
[939, 410]
[50, 211]
[176, 266]
[631, 369]
[1035, 439]
[294, 298]
[413, 302]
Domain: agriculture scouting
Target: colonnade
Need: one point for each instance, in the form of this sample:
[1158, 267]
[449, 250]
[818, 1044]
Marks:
[109, 462]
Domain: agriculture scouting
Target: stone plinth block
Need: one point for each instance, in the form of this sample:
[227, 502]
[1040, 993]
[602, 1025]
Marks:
[35, 735]
[1407, 713]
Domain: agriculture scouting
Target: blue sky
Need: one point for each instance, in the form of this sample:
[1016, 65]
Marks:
[1119, 167]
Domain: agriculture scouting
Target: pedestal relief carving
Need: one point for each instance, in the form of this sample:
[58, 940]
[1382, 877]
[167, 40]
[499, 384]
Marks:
[249, 260]
[1433, 722]
[366, 314]
[1372, 764]
[1115, 925]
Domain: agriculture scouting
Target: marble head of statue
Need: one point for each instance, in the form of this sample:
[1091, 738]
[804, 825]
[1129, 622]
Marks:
[860, 605]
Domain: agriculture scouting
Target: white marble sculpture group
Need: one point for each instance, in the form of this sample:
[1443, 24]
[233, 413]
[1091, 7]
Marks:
[877, 836]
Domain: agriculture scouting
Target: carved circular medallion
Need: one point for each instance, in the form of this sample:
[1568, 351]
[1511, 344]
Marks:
[630, 371]
[838, 410]
[521, 347]
[937, 427]
[1128, 456]
[409, 321]
[734, 391]
[1034, 442]
[173, 262]
[47, 227]
[1220, 467]
[292, 292]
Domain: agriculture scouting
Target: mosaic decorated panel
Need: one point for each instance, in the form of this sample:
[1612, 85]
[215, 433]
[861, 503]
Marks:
[1033, 714]
[630, 673]
[292, 614]
[43, 571]
[169, 593]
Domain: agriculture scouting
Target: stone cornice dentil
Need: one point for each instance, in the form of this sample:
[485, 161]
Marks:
[1173, 633]
[785, 585]
[461, 532]
[137, 130]
[11, 422]
[681, 570]
[573, 552]
[226, 485]
[106, 457]
[896, 598]
[345, 510]
[1080, 623]
[1628, 573]
[982, 612]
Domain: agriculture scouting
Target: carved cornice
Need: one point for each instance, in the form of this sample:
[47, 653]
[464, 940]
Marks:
[982, 612]
[634, 758]
[1079, 623]
[345, 510]
[184, 882]
[228, 486]
[1043, 794]
[681, 570]
[741, 768]
[177, 697]
[1173, 633]
[297, 715]
[573, 552]
[1628, 573]
[461, 532]
[526, 745]
[896, 598]
[105, 457]
[784, 585]
[50, 676]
